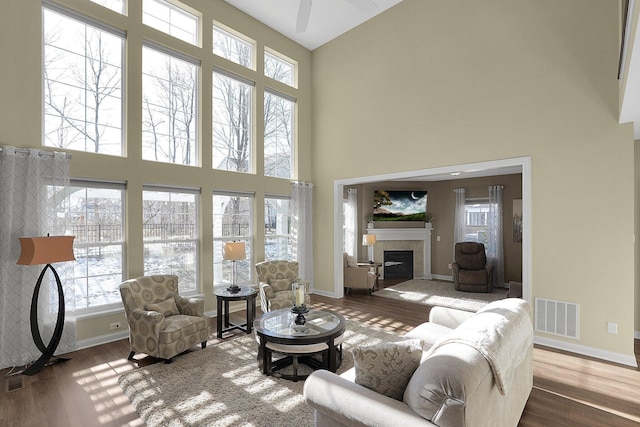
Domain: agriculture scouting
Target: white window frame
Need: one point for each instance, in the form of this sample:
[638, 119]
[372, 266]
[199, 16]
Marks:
[175, 7]
[278, 235]
[231, 35]
[78, 244]
[272, 55]
[220, 279]
[178, 241]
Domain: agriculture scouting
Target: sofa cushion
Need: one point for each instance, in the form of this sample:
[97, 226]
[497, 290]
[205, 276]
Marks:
[428, 333]
[352, 262]
[167, 307]
[387, 367]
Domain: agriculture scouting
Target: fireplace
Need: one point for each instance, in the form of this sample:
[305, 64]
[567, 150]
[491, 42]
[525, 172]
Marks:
[398, 264]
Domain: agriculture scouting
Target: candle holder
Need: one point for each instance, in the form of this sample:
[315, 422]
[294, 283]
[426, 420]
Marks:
[299, 306]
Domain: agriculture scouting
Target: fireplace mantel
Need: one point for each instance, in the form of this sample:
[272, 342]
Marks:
[408, 234]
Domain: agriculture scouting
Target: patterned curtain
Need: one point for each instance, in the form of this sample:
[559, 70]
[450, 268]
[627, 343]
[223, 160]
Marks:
[302, 228]
[351, 223]
[495, 251]
[459, 222]
[34, 200]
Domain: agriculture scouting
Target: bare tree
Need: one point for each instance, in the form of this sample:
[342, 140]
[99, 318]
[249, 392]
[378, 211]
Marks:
[99, 78]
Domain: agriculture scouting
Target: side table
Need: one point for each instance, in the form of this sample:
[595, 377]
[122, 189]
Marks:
[246, 293]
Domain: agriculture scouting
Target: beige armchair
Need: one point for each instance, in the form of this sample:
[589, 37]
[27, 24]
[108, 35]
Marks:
[163, 324]
[275, 278]
[356, 277]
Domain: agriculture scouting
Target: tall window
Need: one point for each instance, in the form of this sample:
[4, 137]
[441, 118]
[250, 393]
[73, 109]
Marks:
[476, 221]
[232, 47]
[169, 108]
[232, 123]
[278, 135]
[170, 234]
[96, 219]
[232, 219]
[279, 68]
[172, 19]
[277, 229]
[82, 86]
[115, 5]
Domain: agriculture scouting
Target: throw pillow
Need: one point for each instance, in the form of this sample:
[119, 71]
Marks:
[387, 367]
[167, 308]
[281, 284]
[351, 261]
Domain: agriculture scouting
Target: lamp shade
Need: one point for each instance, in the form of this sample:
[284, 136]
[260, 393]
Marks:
[46, 250]
[234, 251]
[368, 239]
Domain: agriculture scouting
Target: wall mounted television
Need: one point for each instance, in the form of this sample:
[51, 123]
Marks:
[393, 205]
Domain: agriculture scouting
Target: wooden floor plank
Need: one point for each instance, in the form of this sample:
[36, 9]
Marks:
[569, 390]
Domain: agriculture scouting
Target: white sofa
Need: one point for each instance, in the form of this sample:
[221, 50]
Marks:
[476, 370]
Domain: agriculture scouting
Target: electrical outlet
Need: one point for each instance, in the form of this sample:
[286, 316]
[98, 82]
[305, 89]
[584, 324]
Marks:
[612, 327]
[437, 238]
[449, 266]
[115, 325]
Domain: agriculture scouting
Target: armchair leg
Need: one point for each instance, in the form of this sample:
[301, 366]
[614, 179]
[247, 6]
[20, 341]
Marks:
[204, 344]
[131, 355]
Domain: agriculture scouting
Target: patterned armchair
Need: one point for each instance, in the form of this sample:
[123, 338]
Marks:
[163, 324]
[275, 279]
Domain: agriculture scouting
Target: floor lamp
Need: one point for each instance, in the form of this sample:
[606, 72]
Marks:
[234, 252]
[370, 241]
[45, 250]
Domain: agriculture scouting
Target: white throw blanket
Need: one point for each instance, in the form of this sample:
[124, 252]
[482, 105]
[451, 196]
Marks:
[501, 331]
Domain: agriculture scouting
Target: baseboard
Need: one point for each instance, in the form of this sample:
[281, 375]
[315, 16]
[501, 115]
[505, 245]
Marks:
[323, 293]
[102, 339]
[442, 277]
[610, 356]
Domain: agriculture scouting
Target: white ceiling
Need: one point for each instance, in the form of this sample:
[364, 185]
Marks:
[328, 19]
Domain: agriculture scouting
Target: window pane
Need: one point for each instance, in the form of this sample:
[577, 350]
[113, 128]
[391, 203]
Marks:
[169, 108]
[278, 69]
[277, 223]
[171, 19]
[232, 218]
[115, 5]
[96, 217]
[170, 236]
[278, 135]
[477, 225]
[232, 108]
[232, 47]
[82, 86]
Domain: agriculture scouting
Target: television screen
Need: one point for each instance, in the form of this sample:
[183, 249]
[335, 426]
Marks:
[399, 205]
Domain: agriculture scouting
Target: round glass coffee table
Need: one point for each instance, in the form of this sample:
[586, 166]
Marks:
[317, 343]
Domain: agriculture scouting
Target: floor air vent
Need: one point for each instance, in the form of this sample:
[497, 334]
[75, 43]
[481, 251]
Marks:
[557, 317]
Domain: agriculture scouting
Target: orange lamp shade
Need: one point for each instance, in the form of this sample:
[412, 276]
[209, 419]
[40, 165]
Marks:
[369, 239]
[234, 251]
[46, 250]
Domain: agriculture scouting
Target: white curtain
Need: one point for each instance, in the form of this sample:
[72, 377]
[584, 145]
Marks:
[302, 228]
[495, 251]
[351, 223]
[34, 189]
[459, 222]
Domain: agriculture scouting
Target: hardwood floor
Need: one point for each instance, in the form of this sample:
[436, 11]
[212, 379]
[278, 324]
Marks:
[569, 390]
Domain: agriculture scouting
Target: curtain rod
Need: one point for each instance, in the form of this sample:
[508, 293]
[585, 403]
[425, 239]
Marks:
[41, 153]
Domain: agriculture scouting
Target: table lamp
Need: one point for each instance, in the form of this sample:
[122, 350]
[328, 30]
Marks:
[45, 250]
[370, 241]
[234, 252]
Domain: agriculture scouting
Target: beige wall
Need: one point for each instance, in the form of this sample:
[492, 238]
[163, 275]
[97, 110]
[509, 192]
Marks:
[21, 112]
[430, 84]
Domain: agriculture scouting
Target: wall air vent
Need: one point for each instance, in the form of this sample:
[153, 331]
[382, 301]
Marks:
[558, 317]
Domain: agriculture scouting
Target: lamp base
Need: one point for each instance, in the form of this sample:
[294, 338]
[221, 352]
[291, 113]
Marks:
[234, 289]
[300, 310]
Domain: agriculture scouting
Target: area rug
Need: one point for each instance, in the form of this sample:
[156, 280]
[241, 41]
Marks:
[443, 294]
[222, 386]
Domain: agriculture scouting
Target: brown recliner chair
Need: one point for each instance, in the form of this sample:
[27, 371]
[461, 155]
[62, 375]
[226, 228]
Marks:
[471, 273]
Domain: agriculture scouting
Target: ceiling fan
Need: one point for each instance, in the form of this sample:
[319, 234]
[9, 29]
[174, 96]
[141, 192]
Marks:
[304, 11]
